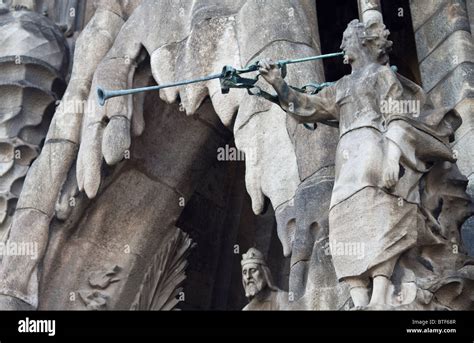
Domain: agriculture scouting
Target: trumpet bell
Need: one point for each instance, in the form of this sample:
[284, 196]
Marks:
[101, 95]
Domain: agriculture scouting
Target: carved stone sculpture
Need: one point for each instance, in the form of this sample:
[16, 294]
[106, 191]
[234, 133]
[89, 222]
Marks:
[385, 156]
[107, 234]
[34, 59]
[259, 287]
[212, 29]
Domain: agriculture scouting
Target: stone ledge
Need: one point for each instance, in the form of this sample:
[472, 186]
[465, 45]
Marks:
[452, 17]
[465, 109]
[456, 49]
[465, 153]
[457, 85]
[422, 11]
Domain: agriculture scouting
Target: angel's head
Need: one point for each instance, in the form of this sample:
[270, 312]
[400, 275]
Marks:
[367, 40]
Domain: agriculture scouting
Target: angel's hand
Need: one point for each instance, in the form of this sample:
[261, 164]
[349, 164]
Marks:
[390, 175]
[270, 71]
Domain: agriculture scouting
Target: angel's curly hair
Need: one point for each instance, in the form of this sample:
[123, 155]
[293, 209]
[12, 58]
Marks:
[373, 34]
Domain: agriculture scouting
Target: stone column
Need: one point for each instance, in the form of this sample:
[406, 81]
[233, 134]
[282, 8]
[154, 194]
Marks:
[34, 64]
[446, 55]
[470, 14]
[370, 10]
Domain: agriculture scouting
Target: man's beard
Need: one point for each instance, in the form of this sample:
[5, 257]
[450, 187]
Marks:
[253, 288]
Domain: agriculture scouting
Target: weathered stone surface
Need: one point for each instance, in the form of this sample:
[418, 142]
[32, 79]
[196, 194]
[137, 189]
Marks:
[465, 109]
[422, 10]
[90, 165]
[103, 237]
[470, 13]
[452, 17]
[370, 10]
[34, 60]
[463, 148]
[311, 266]
[160, 186]
[263, 164]
[314, 149]
[457, 86]
[28, 34]
[43, 195]
[101, 252]
[285, 216]
[445, 48]
[160, 286]
[467, 232]
[454, 50]
[261, 129]
[174, 126]
[42, 191]
[27, 263]
[291, 21]
[164, 57]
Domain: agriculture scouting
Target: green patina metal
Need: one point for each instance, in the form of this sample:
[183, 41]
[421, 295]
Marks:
[229, 77]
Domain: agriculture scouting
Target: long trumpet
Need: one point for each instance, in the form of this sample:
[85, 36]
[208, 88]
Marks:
[229, 79]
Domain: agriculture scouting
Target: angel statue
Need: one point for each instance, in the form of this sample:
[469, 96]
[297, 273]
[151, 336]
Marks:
[389, 138]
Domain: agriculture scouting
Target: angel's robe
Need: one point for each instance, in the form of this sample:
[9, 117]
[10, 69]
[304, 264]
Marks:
[369, 224]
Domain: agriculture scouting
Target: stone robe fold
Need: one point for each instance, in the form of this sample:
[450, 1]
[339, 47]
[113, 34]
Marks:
[371, 106]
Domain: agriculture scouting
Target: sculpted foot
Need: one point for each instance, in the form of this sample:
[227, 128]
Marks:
[360, 297]
[379, 293]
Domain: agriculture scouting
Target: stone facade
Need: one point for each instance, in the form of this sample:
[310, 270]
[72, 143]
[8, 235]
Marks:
[147, 195]
[446, 56]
